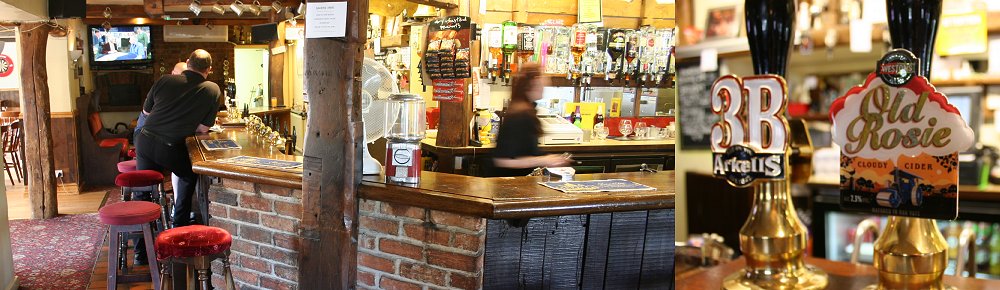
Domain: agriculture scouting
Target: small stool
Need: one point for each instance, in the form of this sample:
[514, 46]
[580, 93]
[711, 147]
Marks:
[127, 166]
[197, 246]
[124, 217]
[145, 181]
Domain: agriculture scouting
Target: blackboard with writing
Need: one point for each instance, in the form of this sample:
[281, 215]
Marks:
[696, 118]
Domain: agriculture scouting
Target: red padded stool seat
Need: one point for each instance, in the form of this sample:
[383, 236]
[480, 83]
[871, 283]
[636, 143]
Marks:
[192, 241]
[124, 218]
[139, 178]
[127, 166]
[129, 213]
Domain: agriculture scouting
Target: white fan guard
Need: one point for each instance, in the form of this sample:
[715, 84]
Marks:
[377, 84]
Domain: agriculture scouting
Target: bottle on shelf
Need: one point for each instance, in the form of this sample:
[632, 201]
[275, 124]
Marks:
[577, 118]
[509, 47]
[631, 53]
[995, 251]
[526, 40]
[616, 48]
[577, 48]
[495, 40]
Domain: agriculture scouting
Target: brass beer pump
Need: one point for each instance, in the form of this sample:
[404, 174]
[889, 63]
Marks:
[911, 253]
[773, 239]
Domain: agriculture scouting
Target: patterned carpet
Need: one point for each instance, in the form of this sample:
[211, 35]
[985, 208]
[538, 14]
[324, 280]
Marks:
[57, 253]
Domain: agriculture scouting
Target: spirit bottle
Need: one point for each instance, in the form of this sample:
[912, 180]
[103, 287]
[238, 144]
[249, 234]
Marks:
[616, 48]
[526, 43]
[495, 38]
[577, 48]
[509, 46]
[631, 53]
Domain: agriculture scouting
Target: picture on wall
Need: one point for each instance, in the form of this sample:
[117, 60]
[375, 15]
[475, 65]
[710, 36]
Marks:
[722, 22]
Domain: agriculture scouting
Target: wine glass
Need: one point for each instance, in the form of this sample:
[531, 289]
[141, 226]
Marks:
[625, 127]
[641, 129]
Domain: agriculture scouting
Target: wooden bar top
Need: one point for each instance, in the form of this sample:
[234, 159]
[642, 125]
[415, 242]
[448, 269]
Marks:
[505, 197]
[842, 275]
[590, 146]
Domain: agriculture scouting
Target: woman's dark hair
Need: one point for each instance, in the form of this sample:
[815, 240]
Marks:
[523, 82]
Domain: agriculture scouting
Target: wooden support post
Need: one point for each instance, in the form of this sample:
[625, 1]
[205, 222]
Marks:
[332, 161]
[37, 126]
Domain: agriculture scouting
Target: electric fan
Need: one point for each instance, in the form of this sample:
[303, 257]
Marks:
[376, 86]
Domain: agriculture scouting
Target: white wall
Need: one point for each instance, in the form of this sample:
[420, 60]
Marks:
[251, 70]
[63, 85]
[6, 258]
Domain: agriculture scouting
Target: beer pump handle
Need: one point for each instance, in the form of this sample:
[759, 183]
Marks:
[769, 33]
[913, 26]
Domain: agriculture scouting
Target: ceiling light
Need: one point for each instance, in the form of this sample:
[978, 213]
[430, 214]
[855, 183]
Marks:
[255, 8]
[195, 7]
[218, 9]
[237, 7]
[276, 5]
[107, 12]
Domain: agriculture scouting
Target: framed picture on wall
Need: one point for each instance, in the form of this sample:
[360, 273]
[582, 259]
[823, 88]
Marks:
[722, 22]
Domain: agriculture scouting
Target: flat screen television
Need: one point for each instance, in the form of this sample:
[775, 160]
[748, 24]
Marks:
[121, 47]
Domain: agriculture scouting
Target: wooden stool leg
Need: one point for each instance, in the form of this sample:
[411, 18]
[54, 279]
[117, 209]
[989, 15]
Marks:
[154, 270]
[204, 281]
[191, 282]
[113, 257]
[122, 250]
[228, 273]
[166, 281]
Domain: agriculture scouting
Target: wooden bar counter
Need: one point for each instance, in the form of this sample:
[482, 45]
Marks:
[607, 155]
[843, 275]
[449, 231]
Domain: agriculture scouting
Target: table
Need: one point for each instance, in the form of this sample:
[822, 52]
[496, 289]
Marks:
[843, 276]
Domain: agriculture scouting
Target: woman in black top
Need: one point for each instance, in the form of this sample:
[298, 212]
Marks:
[517, 152]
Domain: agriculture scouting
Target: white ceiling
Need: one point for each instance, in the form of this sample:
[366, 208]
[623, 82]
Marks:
[116, 2]
[11, 13]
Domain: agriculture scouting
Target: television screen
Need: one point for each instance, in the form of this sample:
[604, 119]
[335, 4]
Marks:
[120, 44]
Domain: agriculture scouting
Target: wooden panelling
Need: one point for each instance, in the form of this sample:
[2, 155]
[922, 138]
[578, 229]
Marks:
[621, 250]
[64, 141]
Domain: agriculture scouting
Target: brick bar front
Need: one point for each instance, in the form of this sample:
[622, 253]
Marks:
[400, 247]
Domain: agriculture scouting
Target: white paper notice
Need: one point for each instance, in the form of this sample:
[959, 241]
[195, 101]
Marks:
[994, 56]
[326, 19]
[709, 59]
[861, 35]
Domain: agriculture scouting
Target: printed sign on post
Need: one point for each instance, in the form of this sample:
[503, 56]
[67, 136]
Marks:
[899, 140]
[751, 140]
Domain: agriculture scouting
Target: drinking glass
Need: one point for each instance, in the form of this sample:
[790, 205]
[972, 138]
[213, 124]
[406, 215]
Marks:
[625, 127]
[641, 129]
[602, 132]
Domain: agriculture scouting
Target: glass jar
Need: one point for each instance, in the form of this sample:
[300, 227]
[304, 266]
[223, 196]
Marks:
[405, 118]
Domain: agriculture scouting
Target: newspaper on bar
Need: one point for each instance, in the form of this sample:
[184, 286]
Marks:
[220, 144]
[590, 186]
[250, 161]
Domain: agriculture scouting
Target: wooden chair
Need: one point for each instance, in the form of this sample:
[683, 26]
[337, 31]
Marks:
[11, 150]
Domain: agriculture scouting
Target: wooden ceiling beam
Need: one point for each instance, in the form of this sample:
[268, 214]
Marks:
[96, 12]
[153, 8]
[443, 4]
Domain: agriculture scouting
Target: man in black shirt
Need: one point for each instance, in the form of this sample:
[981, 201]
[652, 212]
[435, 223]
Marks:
[178, 106]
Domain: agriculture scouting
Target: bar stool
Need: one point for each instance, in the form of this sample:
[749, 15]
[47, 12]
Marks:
[127, 166]
[125, 217]
[144, 181]
[196, 246]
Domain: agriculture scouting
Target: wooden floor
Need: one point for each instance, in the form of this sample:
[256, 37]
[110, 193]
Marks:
[99, 280]
[18, 206]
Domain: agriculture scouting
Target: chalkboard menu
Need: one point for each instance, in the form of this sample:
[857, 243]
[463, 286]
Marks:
[696, 118]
